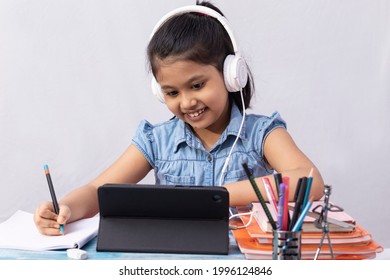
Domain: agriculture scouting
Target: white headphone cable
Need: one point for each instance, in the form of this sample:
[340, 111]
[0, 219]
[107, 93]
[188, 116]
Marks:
[239, 215]
[224, 168]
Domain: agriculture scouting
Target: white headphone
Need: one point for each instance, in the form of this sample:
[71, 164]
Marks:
[235, 71]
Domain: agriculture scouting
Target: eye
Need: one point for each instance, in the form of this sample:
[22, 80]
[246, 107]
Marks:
[197, 86]
[172, 93]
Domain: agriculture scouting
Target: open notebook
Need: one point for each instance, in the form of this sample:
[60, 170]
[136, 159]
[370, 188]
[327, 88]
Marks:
[20, 232]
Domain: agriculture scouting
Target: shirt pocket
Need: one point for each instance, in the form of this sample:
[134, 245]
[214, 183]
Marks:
[236, 175]
[181, 180]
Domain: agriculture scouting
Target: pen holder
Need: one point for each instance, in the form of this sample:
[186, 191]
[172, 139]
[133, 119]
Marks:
[286, 245]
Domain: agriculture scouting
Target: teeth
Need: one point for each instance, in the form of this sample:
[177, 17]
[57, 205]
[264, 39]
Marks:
[193, 115]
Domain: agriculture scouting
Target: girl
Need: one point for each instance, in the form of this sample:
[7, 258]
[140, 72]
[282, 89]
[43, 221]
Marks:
[204, 82]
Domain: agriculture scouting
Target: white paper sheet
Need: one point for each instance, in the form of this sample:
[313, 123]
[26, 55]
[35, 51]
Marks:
[20, 232]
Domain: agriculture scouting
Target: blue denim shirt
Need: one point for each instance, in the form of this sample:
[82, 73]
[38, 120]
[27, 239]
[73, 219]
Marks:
[179, 158]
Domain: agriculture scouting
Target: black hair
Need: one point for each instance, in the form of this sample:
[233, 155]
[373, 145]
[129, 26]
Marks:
[199, 38]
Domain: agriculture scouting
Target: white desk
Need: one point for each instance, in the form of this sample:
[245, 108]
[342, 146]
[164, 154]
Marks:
[10, 254]
[234, 254]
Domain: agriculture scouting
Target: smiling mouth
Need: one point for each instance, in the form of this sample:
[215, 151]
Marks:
[196, 114]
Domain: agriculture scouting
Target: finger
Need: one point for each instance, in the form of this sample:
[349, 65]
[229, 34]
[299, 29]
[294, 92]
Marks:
[50, 231]
[63, 215]
[46, 220]
[44, 217]
[47, 226]
[45, 223]
[46, 211]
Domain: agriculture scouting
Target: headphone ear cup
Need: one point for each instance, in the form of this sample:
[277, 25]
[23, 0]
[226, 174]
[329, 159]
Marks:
[235, 73]
[156, 89]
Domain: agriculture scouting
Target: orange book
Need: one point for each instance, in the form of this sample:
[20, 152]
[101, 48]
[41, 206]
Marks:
[368, 256]
[358, 244]
[358, 235]
[253, 249]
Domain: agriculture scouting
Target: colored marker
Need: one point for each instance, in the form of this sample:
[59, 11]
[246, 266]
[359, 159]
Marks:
[282, 189]
[53, 194]
[299, 201]
[286, 213]
[278, 180]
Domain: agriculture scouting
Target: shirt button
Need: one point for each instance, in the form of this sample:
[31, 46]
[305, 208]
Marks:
[209, 158]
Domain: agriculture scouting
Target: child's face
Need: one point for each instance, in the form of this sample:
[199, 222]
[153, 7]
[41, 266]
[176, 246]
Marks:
[195, 93]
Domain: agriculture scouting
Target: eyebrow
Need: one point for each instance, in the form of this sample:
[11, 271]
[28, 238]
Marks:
[190, 81]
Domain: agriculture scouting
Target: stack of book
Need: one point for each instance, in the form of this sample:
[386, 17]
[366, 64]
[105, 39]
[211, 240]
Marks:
[349, 240]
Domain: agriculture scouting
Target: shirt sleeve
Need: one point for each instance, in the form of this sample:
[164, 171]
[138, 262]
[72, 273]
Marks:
[269, 125]
[144, 140]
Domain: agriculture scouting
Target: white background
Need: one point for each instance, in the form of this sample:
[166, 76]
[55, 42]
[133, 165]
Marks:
[275, 270]
[74, 86]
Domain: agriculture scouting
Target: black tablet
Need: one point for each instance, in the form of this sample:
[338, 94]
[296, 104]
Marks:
[163, 219]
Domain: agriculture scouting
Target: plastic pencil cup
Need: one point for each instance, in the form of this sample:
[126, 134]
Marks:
[286, 245]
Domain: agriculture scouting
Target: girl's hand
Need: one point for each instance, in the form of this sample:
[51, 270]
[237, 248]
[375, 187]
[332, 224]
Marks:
[47, 221]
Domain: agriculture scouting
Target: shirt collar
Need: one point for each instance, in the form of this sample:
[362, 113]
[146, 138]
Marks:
[183, 132]
[235, 123]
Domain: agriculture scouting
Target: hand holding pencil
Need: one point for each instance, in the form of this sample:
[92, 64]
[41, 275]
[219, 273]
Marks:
[48, 222]
[50, 217]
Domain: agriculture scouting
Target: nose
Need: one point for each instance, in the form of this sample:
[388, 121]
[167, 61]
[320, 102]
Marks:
[188, 101]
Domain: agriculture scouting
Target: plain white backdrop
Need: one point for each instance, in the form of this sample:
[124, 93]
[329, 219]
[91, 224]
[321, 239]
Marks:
[74, 86]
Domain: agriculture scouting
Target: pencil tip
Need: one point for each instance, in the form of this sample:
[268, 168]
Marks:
[62, 229]
[311, 172]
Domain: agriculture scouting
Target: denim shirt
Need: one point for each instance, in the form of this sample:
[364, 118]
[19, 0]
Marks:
[179, 158]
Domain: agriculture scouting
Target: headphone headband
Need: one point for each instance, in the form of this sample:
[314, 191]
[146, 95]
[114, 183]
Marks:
[234, 68]
[202, 10]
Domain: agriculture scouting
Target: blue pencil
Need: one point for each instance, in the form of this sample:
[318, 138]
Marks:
[308, 187]
[304, 212]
